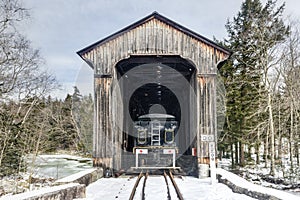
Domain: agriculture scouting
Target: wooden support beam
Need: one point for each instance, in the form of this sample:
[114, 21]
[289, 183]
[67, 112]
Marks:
[103, 138]
[207, 114]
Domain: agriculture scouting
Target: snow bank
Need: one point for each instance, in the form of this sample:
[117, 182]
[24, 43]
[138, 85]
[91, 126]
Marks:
[66, 156]
[66, 192]
[84, 177]
[240, 185]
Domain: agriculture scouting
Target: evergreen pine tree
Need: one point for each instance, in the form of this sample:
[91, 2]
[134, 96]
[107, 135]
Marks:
[255, 31]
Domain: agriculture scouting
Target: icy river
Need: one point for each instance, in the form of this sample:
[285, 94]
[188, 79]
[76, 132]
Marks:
[58, 166]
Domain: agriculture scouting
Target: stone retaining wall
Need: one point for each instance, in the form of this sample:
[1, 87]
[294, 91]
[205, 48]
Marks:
[65, 192]
[68, 188]
[85, 177]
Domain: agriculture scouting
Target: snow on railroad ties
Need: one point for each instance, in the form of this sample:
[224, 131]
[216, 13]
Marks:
[191, 188]
[156, 188]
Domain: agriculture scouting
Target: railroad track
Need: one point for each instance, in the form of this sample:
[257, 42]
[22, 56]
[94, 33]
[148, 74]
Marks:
[172, 190]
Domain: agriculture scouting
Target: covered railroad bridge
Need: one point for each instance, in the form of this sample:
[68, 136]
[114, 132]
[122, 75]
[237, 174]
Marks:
[154, 65]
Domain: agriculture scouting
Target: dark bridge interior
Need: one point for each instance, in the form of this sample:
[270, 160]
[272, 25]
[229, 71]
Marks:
[151, 84]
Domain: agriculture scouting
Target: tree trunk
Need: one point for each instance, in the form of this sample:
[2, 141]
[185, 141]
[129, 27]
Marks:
[221, 154]
[267, 148]
[242, 154]
[236, 145]
[37, 146]
[4, 146]
[257, 146]
[280, 152]
[297, 154]
[297, 139]
[291, 134]
[249, 156]
[232, 156]
[272, 131]
[257, 154]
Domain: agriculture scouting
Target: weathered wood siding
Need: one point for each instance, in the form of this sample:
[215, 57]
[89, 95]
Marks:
[207, 113]
[154, 37]
[103, 137]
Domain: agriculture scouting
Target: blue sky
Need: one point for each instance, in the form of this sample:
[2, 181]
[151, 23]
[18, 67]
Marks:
[59, 28]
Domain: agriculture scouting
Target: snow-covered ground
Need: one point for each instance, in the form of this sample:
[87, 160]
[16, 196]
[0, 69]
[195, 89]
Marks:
[110, 188]
[198, 189]
[191, 188]
[284, 179]
[58, 166]
[238, 181]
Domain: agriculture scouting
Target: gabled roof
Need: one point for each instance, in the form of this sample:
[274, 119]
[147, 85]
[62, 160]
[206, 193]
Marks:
[155, 15]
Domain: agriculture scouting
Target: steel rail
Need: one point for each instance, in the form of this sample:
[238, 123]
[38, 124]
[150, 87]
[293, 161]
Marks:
[145, 175]
[167, 183]
[179, 195]
[135, 185]
[144, 185]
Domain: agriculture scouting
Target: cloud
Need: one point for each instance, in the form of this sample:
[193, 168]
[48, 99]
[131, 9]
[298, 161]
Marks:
[60, 28]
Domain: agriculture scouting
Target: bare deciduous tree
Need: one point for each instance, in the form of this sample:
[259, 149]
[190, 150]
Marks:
[23, 81]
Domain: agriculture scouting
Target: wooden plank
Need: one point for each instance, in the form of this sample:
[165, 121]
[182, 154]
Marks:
[176, 43]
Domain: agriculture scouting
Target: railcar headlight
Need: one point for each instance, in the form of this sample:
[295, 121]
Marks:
[142, 136]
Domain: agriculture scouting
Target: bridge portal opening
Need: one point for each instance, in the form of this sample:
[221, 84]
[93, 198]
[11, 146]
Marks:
[158, 85]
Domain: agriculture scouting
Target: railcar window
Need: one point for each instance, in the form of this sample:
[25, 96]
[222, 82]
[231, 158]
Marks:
[169, 136]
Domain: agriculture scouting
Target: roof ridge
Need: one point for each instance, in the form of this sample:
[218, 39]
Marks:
[147, 18]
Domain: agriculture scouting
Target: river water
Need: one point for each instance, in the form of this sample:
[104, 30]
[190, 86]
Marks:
[57, 166]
